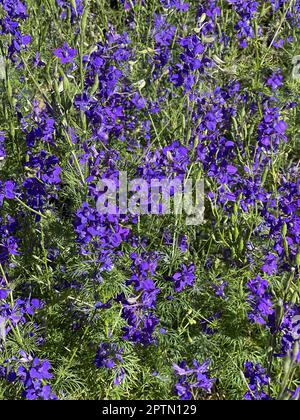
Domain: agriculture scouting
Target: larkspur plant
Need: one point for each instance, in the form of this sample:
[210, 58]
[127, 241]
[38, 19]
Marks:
[142, 305]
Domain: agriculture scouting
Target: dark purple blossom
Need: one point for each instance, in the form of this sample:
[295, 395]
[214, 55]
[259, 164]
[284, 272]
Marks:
[65, 54]
[193, 379]
[258, 380]
[185, 277]
[260, 300]
[290, 330]
[34, 379]
[180, 5]
[2, 146]
[7, 191]
[220, 289]
[108, 356]
[275, 80]
[76, 7]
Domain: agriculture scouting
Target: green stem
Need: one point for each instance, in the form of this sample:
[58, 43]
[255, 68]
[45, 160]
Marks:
[29, 208]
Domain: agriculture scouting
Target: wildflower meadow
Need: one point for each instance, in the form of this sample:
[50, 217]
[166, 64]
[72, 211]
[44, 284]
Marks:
[149, 200]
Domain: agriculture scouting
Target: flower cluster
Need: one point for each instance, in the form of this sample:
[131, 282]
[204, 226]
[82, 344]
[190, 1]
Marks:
[246, 11]
[14, 12]
[103, 233]
[193, 62]
[290, 329]
[180, 5]
[138, 309]
[260, 300]
[33, 374]
[186, 277]
[65, 54]
[9, 243]
[258, 380]
[193, 380]
[75, 7]
[33, 379]
[109, 356]
[13, 314]
[2, 146]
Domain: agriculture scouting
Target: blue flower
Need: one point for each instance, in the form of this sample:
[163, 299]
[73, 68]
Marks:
[185, 277]
[257, 381]
[65, 54]
[190, 379]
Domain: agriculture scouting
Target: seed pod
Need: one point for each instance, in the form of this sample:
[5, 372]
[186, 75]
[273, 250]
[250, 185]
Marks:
[295, 350]
[183, 121]
[84, 19]
[12, 130]
[69, 15]
[235, 123]
[48, 72]
[265, 174]
[279, 313]
[202, 18]
[208, 39]
[95, 85]
[83, 120]
[196, 142]
[241, 245]
[287, 365]
[73, 3]
[236, 232]
[9, 92]
[2, 68]
[284, 230]
[56, 90]
[286, 246]
[298, 260]
[245, 131]
[295, 298]
[66, 84]
[218, 60]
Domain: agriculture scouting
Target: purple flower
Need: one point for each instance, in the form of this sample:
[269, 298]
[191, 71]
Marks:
[2, 146]
[231, 170]
[296, 394]
[177, 4]
[220, 289]
[275, 80]
[120, 376]
[163, 33]
[65, 54]
[183, 243]
[260, 300]
[290, 330]
[185, 277]
[190, 379]
[271, 130]
[257, 381]
[108, 355]
[68, 5]
[208, 326]
[270, 265]
[138, 101]
[7, 190]
[34, 379]
[8, 243]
